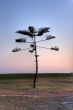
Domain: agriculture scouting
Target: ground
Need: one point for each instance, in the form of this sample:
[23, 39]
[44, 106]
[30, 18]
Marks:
[51, 93]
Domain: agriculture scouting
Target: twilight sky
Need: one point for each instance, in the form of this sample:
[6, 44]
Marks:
[19, 14]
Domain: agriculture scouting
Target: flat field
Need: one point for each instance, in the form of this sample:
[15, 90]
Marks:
[52, 92]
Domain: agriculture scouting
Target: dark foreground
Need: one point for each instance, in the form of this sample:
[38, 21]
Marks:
[37, 102]
[51, 93]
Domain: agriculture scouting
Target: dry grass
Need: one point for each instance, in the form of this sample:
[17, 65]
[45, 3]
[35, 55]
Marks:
[49, 94]
[52, 84]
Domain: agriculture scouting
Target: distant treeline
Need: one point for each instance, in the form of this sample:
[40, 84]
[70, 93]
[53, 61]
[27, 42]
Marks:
[28, 75]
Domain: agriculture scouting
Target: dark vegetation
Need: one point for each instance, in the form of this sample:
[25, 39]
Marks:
[28, 75]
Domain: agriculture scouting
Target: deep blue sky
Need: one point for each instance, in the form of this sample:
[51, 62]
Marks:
[19, 14]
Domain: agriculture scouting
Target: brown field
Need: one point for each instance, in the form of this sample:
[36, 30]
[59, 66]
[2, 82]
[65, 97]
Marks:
[52, 92]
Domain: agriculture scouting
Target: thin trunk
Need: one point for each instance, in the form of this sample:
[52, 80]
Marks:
[36, 60]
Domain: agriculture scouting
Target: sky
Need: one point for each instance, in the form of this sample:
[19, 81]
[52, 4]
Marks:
[18, 15]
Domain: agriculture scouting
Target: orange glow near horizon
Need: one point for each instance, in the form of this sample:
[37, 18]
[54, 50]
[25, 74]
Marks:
[47, 62]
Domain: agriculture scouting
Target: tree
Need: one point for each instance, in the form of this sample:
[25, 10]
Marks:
[33, 33]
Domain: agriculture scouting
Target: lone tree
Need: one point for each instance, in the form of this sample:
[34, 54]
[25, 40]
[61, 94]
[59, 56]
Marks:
[33, 33]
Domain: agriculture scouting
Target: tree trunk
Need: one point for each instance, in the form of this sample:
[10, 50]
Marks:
[34, 83]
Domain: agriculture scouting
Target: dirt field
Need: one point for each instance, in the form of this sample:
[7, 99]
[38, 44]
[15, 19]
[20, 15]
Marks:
[51, 93]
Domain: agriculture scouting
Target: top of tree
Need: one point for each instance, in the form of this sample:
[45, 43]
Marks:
[32, 32]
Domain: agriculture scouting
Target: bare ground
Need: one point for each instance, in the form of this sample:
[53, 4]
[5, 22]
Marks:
[49, 94]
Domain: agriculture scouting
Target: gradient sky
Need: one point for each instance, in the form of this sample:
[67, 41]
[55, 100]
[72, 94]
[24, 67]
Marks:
[19, 14]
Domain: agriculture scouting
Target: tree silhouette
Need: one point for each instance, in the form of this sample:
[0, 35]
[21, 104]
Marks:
[33, 33]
